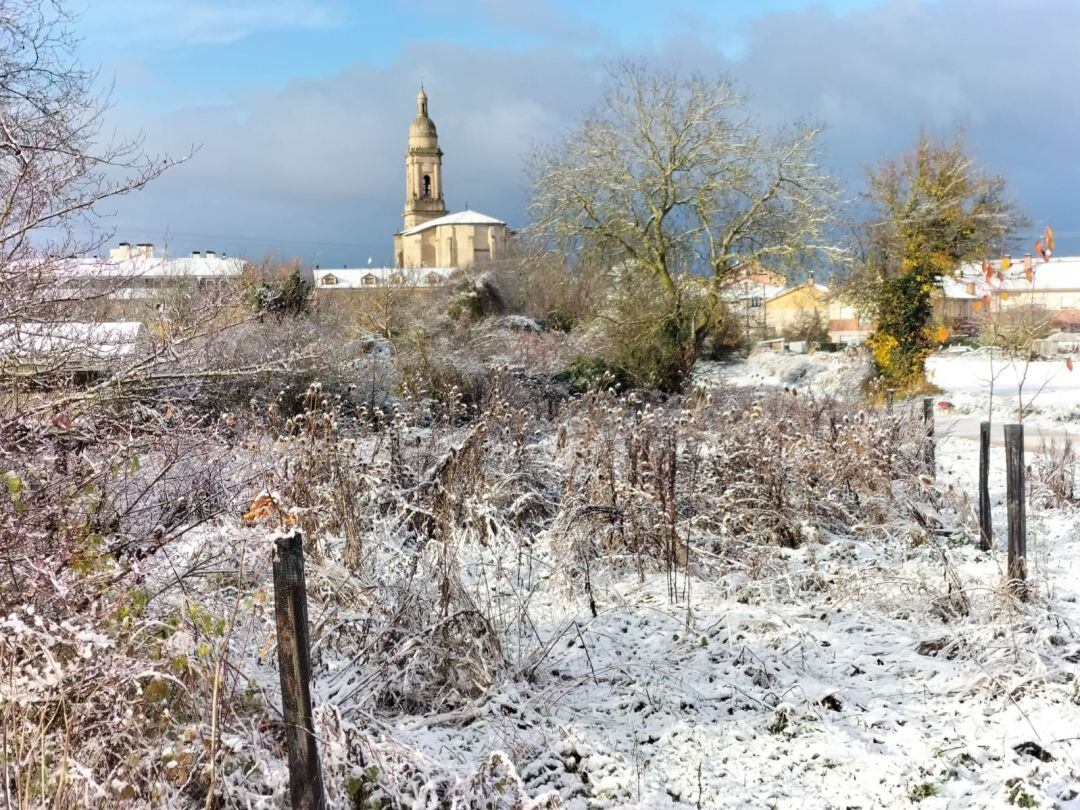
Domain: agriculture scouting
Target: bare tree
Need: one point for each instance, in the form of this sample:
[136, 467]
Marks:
[671, 176]
[69, 379]
[1014, 332]
[55, 164]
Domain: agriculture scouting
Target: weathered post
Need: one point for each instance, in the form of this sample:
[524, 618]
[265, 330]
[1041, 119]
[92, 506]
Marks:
[986, 531]
[928, 441]
[294, 664]
[890, 394]
[1014, 493]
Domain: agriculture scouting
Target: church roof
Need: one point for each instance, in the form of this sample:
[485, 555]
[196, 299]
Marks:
[460, 218]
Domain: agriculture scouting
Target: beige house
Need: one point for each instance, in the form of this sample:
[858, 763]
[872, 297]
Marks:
[431, 237]
[796, 305]
[789, 307]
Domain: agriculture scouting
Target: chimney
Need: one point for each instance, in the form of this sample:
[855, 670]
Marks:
[210, 254]
[121, 252]
[194, 254]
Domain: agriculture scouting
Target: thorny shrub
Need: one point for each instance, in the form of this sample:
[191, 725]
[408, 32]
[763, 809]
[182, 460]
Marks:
[1054, 470]
[717, 477]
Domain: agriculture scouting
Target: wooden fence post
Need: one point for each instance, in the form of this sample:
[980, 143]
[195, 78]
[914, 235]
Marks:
[1014, 491]
[294, 664]
[890, 394]
[929, 451]
[986, 530]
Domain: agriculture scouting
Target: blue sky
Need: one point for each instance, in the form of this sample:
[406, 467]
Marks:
[299, 108]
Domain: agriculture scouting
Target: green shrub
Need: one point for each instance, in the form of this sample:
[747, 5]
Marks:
[596, 373]
[560, 320]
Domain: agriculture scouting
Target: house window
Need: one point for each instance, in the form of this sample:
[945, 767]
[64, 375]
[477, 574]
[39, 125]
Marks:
[397, 278]
[329, 280]
[369, 280]
[433, 278]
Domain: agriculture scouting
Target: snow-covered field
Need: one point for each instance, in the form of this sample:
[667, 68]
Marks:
[864, 692]
[747, 598]
[838, 375]
[986, 385]
[862, 669]
[841, 680]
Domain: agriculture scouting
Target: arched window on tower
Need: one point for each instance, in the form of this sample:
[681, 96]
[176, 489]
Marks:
[427, 185]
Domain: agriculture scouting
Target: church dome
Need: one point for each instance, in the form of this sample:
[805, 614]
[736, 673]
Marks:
[422, 127]
[422, 131]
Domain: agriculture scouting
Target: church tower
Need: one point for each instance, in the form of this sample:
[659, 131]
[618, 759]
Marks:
[423, 169]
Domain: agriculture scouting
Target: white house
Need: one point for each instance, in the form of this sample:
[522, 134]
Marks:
[1052, 286]
[135, 272]
[358, 278]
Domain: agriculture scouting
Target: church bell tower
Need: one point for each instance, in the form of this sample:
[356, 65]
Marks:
[423, 169]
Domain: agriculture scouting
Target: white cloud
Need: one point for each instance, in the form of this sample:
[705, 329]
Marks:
[178, 23]
[321, 160]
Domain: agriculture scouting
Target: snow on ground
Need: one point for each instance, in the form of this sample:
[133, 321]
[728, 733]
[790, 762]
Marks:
[842, 680]
[848, 678]
[838, 374]
[885, 667]
[1048, 390]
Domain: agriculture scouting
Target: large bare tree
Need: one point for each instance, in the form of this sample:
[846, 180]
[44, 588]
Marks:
[671, 176]
[56, 162]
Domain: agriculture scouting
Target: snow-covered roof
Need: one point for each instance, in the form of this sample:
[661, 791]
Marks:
[152, 267]
[1057, 275]
[351, 277]
[72, 339]
[460, 218]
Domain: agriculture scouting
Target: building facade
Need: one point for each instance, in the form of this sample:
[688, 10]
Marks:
[455, 240]
[1051, 288]
[431, 237]
[368, 278]
[423, 169]
[133, 281]
[797, 305]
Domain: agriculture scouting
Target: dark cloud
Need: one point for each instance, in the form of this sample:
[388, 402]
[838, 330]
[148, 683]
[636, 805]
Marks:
[316, 167]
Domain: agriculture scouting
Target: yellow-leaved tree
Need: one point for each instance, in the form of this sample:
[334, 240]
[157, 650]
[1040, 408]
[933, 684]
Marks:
[932, 209]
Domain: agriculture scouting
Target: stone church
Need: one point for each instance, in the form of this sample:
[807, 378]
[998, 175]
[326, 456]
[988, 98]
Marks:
[431, 237]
